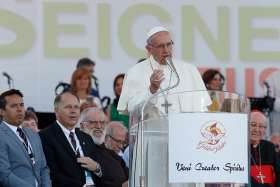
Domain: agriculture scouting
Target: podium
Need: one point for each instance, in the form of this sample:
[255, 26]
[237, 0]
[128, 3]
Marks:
[149, 134]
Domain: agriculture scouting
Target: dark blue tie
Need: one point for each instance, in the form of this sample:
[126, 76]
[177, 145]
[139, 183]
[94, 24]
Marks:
[74, 144]
[23, 137]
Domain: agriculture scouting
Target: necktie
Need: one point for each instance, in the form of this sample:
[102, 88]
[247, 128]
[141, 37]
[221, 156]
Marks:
[26, 145]
[23, 137]
[74, 144]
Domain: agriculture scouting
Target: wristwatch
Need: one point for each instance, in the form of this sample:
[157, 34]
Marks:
[98, 171]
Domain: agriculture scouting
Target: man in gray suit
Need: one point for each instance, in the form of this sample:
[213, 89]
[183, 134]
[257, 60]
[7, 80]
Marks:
[22, 160]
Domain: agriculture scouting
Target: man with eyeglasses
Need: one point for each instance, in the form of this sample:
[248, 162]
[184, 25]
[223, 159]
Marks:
[115, 139]
[156, 73]
[93, 122]
[265, 164]
[115, 173]
[70, 153]
[153, 76]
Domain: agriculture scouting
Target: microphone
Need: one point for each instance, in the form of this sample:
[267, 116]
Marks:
[267, 88]
[96, 82]
[171, 65]
[9, 78]
[5, 74]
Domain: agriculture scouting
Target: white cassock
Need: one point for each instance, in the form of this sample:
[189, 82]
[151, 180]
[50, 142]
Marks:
[136, 84]
[135, 90]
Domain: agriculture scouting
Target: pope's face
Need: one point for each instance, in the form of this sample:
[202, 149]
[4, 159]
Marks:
[160, 46]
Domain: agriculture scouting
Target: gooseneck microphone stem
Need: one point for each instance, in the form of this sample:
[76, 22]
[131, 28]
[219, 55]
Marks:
[9, 79]
[169, 62]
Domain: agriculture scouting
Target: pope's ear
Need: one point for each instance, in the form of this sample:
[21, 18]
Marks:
[148, 47]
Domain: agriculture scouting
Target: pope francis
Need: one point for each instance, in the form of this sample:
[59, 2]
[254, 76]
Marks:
[152, 77]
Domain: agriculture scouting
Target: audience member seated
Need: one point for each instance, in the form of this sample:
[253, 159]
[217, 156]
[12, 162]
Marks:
[81, 86]
[22, 160]
[265, 165]
[115, 174]
[93, 122]
[113, 114]
[70, 153]
[116, 137]
[30, 121]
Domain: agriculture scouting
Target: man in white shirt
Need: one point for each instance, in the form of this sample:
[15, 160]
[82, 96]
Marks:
[22, 160]
[70, 152]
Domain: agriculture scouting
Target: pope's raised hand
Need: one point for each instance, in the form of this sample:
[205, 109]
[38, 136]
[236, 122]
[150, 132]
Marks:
[155, 80]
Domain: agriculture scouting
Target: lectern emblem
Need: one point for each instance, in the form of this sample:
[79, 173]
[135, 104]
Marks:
[214, 134]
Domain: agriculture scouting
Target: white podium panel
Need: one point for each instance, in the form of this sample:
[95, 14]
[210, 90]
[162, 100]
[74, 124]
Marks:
[208, 148]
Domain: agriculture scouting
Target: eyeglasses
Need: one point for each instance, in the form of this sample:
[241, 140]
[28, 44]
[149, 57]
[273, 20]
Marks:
[117, 141]
[259, 125]
[95, 122]
[169, 45]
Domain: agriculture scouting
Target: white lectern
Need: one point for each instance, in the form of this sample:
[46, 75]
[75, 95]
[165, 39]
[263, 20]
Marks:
[149, 135]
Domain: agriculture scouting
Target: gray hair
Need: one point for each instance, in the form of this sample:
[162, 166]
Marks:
[111, 128]
[254, 113]
[95, 110]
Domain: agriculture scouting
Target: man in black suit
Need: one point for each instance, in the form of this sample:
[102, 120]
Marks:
[93, 122]
[69, 152]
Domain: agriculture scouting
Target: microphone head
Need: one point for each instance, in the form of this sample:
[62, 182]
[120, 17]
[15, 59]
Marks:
[6, 75]
[168, 60]
[94, 77]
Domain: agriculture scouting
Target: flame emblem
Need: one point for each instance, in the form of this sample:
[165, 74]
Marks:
[213, 133]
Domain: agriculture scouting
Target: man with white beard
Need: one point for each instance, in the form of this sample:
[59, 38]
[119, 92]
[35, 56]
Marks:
[93, 121]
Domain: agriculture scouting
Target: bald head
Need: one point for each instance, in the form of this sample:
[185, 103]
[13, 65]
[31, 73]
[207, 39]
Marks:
[115, 136]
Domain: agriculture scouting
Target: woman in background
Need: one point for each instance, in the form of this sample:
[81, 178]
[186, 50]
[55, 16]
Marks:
[30, 121]
[81, 86]
[213, 80]
[113, 114]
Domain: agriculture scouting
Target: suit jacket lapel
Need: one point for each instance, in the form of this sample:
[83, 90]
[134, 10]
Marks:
[34, 152]
[63, 140]
[32, 143]
[14, 137]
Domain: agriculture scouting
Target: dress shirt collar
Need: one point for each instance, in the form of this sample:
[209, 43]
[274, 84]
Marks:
[12, 127]
[65, 130]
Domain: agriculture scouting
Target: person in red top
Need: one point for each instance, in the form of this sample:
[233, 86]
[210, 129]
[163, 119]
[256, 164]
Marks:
[265, 165]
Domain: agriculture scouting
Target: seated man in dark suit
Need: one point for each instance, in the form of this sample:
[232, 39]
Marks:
[93, 122]
[69, 152]
[22, 160]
